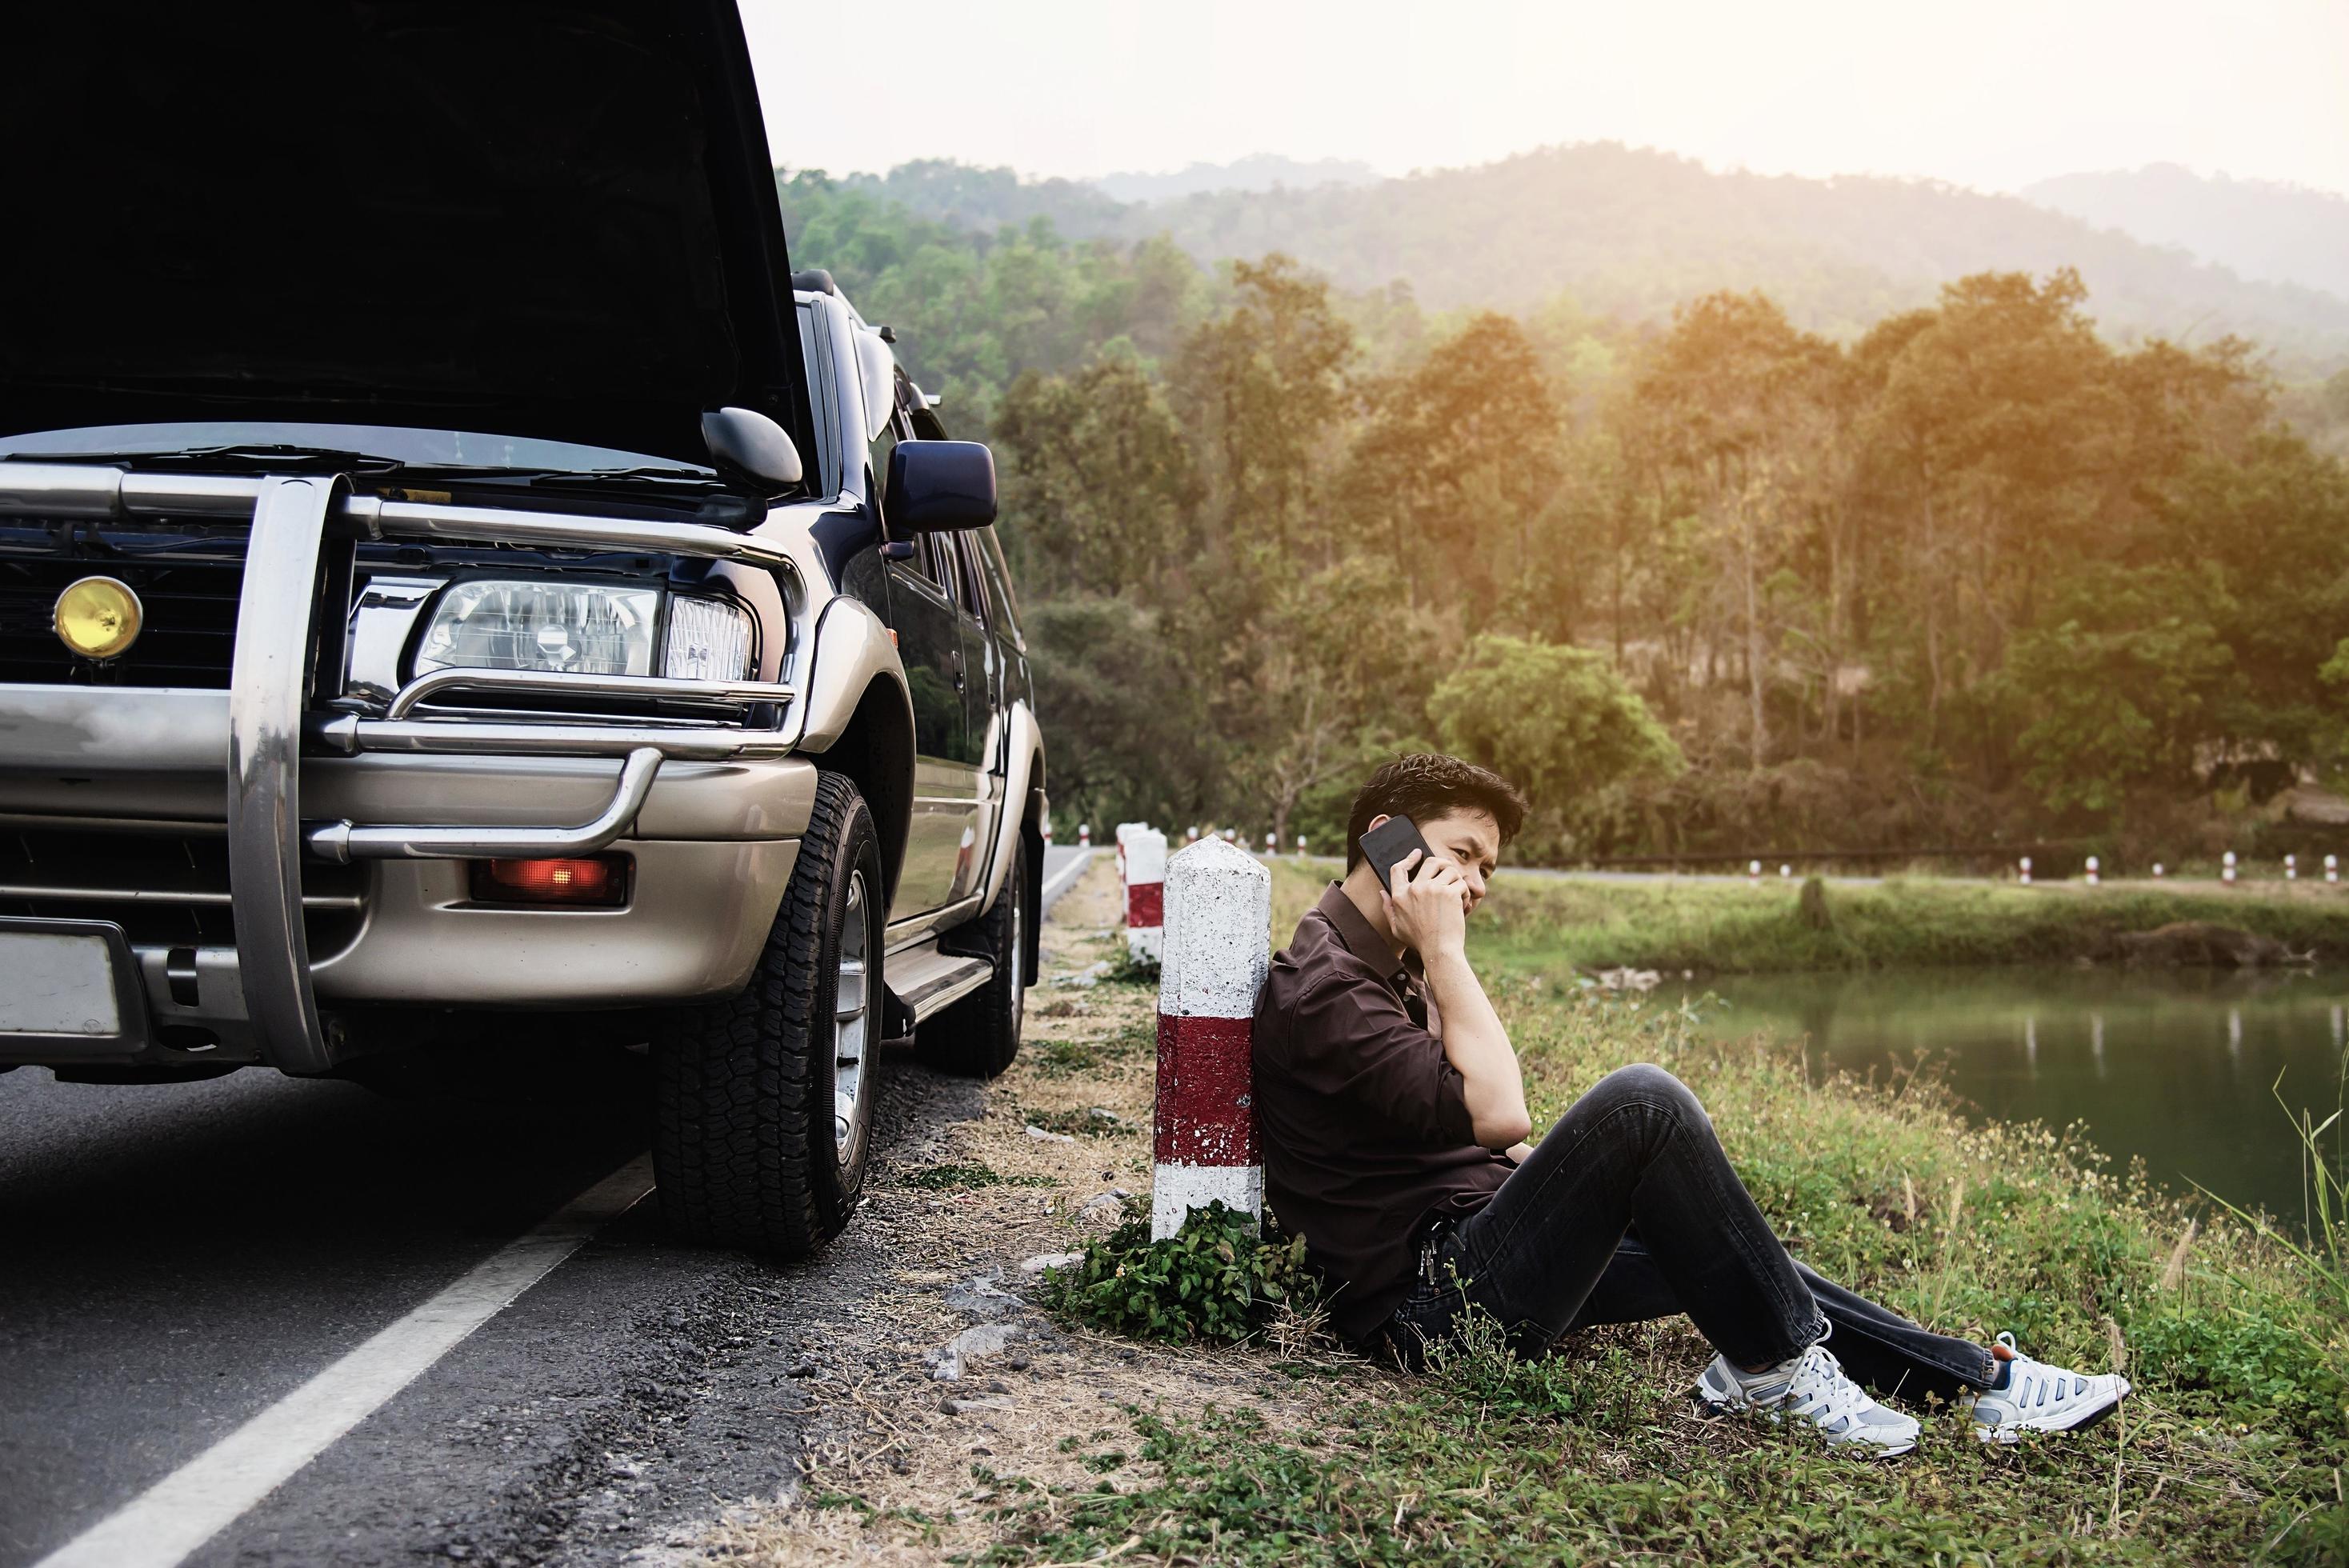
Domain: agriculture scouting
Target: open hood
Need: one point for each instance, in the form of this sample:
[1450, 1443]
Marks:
[549, 219]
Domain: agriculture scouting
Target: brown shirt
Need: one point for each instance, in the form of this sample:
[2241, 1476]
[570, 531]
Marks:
[1362, 1122]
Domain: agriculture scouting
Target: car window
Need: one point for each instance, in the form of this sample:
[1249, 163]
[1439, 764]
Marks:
[1004, 609]
[940, 562]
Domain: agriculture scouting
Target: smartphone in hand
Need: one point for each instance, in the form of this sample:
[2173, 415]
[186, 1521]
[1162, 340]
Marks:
[1392, 840]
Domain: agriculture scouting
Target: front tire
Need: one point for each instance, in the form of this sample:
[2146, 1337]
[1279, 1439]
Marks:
[978, 1036]
[763, 1103]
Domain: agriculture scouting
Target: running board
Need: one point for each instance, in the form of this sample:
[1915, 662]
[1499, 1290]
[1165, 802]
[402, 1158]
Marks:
[928, 981]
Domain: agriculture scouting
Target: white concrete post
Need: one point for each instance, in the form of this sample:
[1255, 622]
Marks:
[1145, 894]
[1124, 832]
[1048, 832]
[1084, 836]
[2227, 868]
[1754, 874]
[1784, 872]
[2026, 871]
[1193, 836]
[2292, 868]
[1271, 844]
[2332, 868]
[1217, 947]
[1301, 846]
[2157, 870]
[1230, 837]
[2092, 870]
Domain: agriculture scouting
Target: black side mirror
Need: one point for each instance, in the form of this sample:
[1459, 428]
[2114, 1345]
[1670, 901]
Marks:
[937, 487]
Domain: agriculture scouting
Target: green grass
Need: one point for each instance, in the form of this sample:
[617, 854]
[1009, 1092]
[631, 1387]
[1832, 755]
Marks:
[2230, 1452]
[963, 1176]
[1729, 927]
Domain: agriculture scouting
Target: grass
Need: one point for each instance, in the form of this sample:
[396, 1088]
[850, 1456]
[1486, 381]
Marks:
[2230, 1452]
[1712, 927]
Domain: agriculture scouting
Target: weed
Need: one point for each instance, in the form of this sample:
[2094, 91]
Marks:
[1215, 1279]
[966, 1175]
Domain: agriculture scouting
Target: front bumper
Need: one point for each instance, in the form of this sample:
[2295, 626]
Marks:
[340, 838]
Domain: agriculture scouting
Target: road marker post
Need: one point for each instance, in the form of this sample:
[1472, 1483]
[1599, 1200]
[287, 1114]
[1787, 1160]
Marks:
[1272, 845]
[2332, 868]
[1754, 874]
[2227, 868]
[1145, 868]
[1084, 836]
[2026, 871]
[1786, 872]
[2092, 870]
[2292, 868]
[2157, 870]
[1301, 846]
[1124, 832]
[1048, 832]
[1217, 947]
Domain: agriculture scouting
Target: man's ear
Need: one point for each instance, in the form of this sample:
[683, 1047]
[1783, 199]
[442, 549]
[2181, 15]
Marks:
[1374, 822]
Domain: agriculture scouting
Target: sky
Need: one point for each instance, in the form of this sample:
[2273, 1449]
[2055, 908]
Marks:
[1991, 93]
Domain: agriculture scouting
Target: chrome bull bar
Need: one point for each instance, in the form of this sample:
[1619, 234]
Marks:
[268, 727]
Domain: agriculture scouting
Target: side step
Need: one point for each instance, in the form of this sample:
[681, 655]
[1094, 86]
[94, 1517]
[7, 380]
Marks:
[928, 981]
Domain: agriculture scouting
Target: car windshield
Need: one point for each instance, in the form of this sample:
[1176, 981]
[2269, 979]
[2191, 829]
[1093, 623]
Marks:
[410, 447]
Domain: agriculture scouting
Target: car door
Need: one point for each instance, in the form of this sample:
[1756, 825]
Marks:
[982, 665]
[926, 614]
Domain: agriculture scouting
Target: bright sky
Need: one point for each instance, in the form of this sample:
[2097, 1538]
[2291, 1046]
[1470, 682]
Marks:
[1991, 93]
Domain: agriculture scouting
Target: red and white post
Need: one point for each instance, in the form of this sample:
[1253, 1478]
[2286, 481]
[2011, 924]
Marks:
[1217, 948]
[2227, 868]
[2093, 869]
[2025, 863]
[1084, 835]
[1124, 832]
[1144, 862]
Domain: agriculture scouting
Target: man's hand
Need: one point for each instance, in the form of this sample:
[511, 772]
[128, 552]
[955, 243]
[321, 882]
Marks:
[1428, 913]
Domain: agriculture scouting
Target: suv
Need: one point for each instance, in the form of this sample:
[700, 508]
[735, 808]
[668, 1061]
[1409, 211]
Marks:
[457, 585]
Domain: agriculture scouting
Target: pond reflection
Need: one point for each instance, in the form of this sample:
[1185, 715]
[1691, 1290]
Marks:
[2174, 1067]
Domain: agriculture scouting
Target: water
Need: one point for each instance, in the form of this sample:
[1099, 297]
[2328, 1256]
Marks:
[2175, 1068]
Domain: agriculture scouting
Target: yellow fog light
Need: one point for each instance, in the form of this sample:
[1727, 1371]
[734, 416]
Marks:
[99, 618]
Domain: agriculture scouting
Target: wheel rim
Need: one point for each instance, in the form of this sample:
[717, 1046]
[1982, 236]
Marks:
[852, 1010]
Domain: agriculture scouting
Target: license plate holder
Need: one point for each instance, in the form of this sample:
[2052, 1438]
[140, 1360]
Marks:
[70, 988]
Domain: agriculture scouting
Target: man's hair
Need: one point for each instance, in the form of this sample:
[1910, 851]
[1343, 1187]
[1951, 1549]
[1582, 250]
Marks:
[1425, 785]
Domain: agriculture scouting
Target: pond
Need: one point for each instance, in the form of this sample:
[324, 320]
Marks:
[2172, 1066]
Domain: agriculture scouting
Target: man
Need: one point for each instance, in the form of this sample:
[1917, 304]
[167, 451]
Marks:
[1392, 1115]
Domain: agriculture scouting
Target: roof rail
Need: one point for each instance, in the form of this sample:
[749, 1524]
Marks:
[814, 280]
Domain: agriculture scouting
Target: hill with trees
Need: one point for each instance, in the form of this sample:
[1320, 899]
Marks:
[2258, 229]
[1632, 233]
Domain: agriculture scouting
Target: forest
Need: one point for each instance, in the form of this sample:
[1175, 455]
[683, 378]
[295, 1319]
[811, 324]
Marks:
[1971, 573]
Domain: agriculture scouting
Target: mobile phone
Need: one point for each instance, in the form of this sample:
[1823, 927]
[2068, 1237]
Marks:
[1390, 842]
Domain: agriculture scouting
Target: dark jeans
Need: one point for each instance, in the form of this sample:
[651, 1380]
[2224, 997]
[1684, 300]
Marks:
[1628, 1210]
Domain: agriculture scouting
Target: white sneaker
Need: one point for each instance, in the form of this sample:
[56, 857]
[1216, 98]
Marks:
[1811, 1387]
[2036, 1397]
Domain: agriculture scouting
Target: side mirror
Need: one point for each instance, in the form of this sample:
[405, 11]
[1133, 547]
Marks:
[937, 487]
[747, 442]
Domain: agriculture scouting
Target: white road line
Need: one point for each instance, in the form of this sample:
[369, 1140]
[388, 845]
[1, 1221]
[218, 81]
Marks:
[1059, 881]
[186, 1507]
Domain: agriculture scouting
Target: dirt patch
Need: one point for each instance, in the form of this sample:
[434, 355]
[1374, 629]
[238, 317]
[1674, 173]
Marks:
[964, 1380]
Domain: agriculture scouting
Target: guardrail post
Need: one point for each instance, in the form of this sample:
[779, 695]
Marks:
[1217, 946]
[1144, 866]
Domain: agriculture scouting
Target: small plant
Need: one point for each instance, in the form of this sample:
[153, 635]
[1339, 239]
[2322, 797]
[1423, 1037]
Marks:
[965, 1174]
[1215, 1279]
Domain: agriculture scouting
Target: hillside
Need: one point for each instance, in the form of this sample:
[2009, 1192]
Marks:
[2260, 230]
[1634, 231]
[1265, 172]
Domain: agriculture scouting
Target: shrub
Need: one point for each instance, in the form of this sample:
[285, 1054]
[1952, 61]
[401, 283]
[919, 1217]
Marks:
[1215, 1279]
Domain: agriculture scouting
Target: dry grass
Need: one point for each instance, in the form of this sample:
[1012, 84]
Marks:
[890, 1476]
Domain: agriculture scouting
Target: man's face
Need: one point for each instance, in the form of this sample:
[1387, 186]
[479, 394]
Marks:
[1470, 839]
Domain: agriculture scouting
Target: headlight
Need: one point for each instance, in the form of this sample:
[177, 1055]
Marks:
[575, 628]
[708, 640]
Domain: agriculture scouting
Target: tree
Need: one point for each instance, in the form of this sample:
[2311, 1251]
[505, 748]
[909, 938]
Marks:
[1556, 721]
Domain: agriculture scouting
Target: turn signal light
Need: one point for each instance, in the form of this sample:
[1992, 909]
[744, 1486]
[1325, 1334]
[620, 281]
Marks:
[596, 881]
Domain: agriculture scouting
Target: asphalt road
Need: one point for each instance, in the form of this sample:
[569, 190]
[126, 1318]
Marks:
[176, 1259]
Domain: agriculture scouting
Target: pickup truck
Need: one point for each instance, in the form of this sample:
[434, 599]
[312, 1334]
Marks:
[460, 588]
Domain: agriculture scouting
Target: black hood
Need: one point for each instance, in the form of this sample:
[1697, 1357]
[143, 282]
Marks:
[553, 220]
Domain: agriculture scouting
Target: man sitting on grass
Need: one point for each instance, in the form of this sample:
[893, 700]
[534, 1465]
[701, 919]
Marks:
[1393, 1116]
